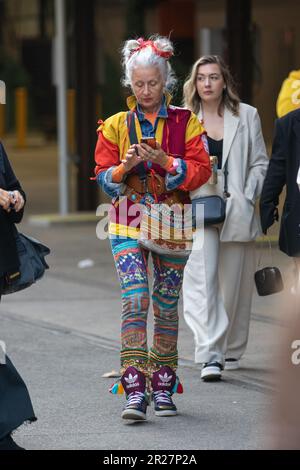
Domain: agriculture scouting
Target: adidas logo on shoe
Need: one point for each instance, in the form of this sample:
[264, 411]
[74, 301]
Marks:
[165, 380]
[131, 381]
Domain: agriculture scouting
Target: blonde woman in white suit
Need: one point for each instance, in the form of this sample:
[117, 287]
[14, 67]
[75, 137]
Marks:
[218, 279]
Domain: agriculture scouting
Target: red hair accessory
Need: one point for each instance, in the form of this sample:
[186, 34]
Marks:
[143, 44]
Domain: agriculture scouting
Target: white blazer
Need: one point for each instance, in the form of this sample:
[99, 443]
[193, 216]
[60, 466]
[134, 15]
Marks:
[245, 150]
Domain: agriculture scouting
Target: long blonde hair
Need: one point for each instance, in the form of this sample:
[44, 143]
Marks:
[230, 98]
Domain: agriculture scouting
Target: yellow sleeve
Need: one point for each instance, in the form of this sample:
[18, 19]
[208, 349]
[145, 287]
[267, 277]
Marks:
[111, 127]
[289, 97]
[194, 128]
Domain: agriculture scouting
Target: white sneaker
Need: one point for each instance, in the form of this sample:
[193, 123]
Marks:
[211, 372]
[232, 364]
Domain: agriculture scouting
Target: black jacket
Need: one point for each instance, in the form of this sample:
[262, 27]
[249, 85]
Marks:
[15, 403]
[9, 261]
[283, 170]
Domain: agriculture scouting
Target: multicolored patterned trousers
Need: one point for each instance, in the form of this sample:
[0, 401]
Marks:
[131, 263]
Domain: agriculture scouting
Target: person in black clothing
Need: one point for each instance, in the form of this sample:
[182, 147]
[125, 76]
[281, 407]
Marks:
[283, 171]
[15, 403]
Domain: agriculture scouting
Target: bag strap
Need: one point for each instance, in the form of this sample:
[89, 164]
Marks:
[226, 193]
[130, 119]
[265, 238]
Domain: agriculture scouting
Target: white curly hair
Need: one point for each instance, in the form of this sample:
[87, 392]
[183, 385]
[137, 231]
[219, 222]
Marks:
[134, 56]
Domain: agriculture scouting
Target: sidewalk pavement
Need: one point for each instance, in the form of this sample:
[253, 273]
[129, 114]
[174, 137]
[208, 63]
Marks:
[63, 334]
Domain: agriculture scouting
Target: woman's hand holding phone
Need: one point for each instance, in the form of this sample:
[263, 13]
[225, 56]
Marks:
[145, 152]
[132, 158]
[152, 152]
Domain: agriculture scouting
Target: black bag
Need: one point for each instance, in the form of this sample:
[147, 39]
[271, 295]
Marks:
[31, 254]
[214, 206]
[268, 280]
[214, 209]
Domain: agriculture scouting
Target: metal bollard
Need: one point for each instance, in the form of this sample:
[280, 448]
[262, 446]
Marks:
[71, 113]
[21, 116]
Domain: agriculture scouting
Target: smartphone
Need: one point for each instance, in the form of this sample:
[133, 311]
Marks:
[151, 141]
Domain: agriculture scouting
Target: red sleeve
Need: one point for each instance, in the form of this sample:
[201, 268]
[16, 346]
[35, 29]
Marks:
[198, 164]
[106, 154]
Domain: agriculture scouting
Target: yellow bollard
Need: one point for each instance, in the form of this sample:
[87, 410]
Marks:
[21, 116]
[2, 121]
[71, 113]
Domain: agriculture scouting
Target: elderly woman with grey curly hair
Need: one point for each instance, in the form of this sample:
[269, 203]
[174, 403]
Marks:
[177, 163]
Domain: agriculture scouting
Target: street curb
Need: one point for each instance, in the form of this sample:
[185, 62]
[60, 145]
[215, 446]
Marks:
[47, 220]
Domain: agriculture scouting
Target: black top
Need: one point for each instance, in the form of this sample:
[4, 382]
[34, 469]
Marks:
[216, 148]
[9, 261]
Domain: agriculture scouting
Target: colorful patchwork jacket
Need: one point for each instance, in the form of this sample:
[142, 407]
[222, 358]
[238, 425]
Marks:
[180, 134]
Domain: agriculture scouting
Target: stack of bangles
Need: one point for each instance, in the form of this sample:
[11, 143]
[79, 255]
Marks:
[119, 172]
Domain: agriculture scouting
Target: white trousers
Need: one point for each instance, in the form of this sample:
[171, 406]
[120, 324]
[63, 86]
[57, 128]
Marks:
[297, 274]
[217, 294]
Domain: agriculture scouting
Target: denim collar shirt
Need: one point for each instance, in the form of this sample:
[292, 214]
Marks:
[147, 129]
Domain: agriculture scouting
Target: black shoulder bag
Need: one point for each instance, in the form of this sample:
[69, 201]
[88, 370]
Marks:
[31, 254]
[214, 206]
[268, 280]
